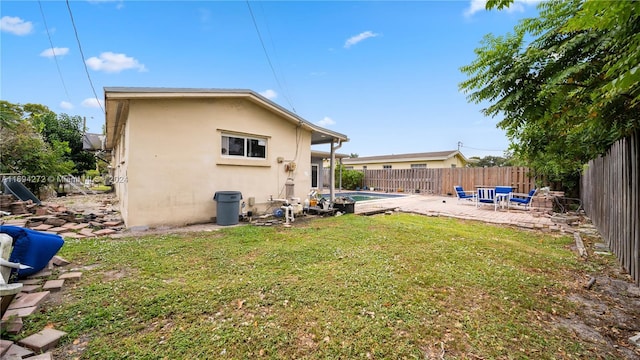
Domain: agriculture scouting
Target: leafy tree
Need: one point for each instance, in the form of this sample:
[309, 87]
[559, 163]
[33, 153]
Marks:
[66, 128]
[566, 83]
[23, 150]
[353, 155]
[54, 129]
[9, 114]
[490, 161]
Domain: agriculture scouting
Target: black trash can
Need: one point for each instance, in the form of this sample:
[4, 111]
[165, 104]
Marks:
[227, 207]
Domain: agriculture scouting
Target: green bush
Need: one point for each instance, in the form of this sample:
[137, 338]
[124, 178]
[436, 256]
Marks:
[351, 179]
[91, 173]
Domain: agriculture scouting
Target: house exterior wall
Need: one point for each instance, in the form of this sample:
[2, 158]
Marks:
[174, 164]
[119, 164]
[395, 164]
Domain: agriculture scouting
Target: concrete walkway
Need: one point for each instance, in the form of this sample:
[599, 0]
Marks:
[432, 205]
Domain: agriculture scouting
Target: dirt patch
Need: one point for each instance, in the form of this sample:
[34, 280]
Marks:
[608, 313]
[72, 350]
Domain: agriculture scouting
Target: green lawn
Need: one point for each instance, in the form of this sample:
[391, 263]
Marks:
[383, 287]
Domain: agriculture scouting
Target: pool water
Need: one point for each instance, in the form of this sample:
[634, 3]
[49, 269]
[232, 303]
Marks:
[364, 196]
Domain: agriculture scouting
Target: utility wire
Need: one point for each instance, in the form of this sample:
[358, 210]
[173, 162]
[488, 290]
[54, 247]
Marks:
[285, 89]
[84, 61]
[267, 55]
[467, 147]
[55, 57]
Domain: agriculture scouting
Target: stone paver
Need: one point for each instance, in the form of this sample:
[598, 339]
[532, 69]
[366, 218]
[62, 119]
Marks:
[30, 288]
[28, 300]
[42, 340]
[43, 227]
[58, 261]
[57, 230]
[53, 285]
[17, 352]
[22, 312]
[4, 346]
[12, 326]
[87, 232]
[80, 226]
[104, 232]
[71, 276]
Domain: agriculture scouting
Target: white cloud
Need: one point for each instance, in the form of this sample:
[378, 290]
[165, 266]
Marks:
[56, 51]
[516, 6]
[357, 38]
[92, 103]
[326, 121]
[15, 25]
[269, 94]
[114, 63]
[475, 6]
[66, 105]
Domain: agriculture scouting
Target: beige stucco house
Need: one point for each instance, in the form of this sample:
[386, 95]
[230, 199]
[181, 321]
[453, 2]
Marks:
[438, 159]
[173, 149]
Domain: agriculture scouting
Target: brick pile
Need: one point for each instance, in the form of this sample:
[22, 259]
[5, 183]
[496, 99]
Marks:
[544, 202]
[35, 291]
[58, 219]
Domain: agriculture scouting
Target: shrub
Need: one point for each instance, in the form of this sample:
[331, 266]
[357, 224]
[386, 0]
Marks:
[351, 179]
[91, 173]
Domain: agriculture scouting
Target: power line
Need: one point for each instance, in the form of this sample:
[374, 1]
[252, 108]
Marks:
[55, 57]
[467, 147]
[253, 18]
[84, 61]
[285, 89]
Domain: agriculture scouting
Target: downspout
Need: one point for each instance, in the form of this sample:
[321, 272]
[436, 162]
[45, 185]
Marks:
[332, 169]
[340, 183]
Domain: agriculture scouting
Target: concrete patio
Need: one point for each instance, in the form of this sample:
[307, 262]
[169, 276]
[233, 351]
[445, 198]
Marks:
[449, 206]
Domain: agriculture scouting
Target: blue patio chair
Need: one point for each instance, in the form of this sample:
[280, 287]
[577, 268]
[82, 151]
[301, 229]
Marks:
[461, 194]
[487, 196]
[523, 200]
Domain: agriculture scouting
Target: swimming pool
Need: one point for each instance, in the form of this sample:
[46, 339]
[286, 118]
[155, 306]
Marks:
[364, 196]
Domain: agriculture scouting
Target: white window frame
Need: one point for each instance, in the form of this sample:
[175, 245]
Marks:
[418, 166]
[224, 146]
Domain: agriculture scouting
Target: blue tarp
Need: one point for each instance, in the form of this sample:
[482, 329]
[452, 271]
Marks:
[33, 248]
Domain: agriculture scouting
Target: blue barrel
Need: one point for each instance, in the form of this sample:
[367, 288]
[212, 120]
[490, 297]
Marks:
[227, 207]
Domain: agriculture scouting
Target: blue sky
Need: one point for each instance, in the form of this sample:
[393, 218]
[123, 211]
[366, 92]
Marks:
[385, 74]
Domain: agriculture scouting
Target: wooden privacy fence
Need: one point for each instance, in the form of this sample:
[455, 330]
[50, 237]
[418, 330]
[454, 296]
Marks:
[610, 190]
[442, 181]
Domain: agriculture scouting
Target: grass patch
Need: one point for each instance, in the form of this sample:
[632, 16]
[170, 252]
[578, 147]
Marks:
[401, 286]
[101, 188]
